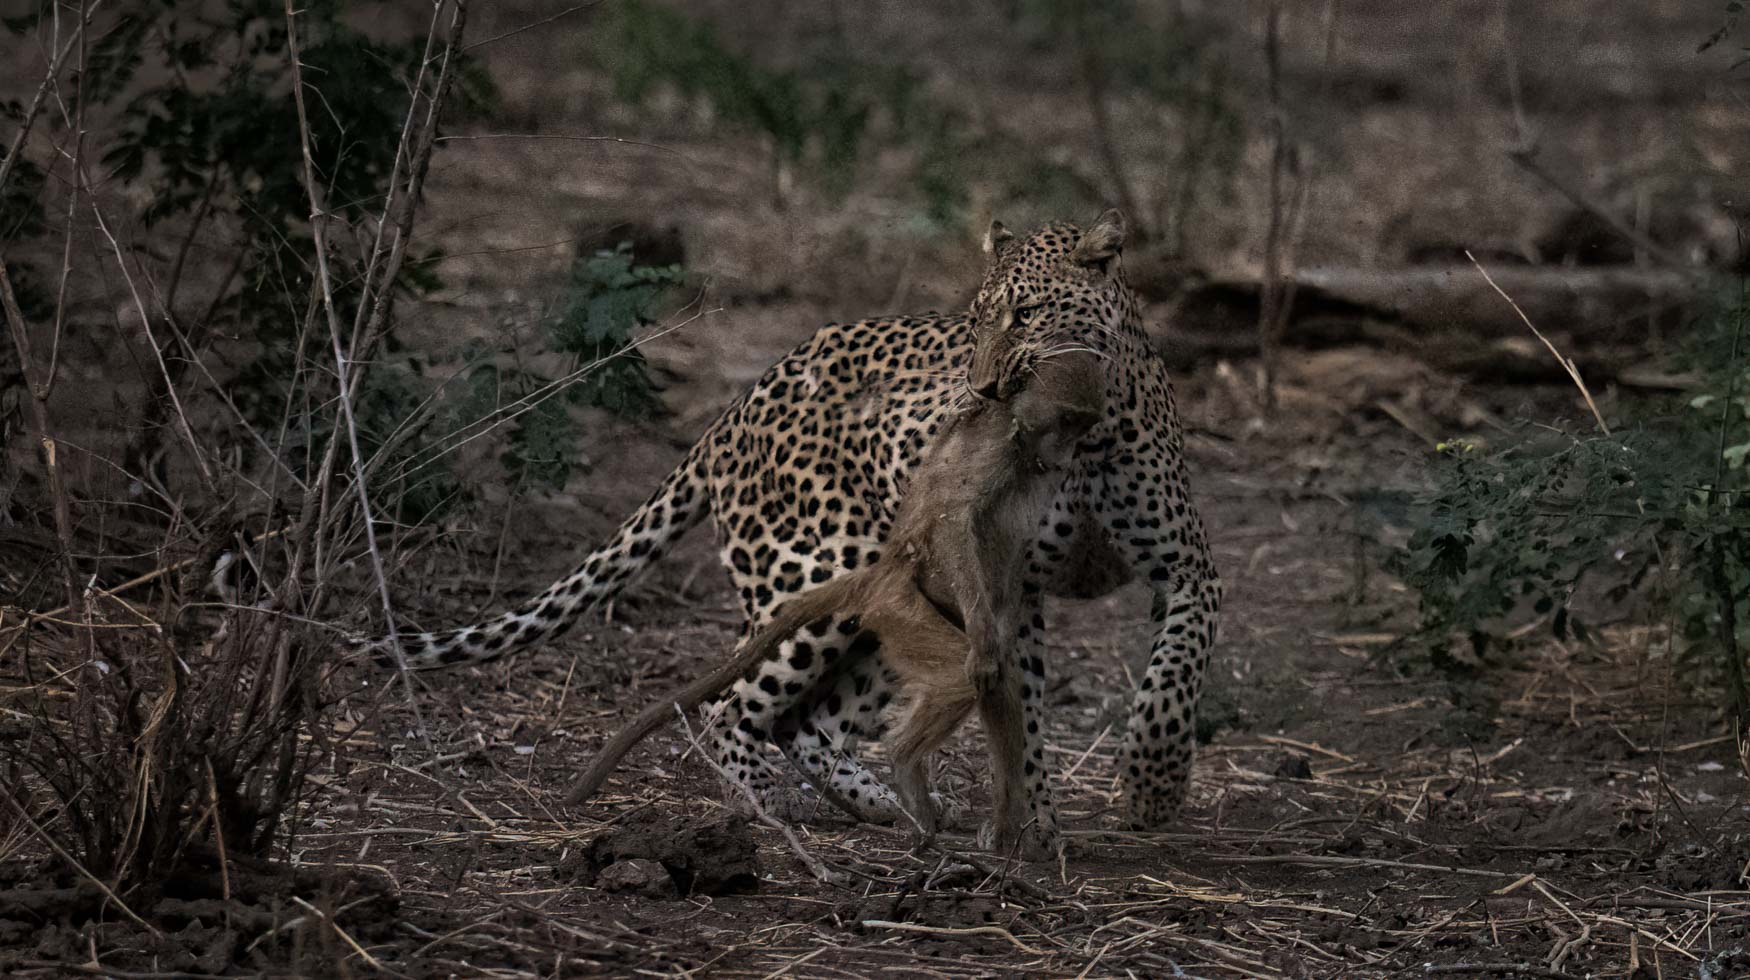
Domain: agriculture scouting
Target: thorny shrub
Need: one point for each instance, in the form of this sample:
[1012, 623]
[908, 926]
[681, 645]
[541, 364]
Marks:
[145, 751]
[147, 730]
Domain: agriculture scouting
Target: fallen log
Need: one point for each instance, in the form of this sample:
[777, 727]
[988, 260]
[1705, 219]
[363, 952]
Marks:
[1604, 318]
[1592, 305]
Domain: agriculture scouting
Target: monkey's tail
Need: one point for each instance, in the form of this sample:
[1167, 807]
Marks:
[792, 616]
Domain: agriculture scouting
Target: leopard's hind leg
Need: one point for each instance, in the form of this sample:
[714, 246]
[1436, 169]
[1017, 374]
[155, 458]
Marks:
[821, 690]
[821, 738]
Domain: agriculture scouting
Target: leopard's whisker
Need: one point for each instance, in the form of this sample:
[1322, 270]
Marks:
[1059, 351]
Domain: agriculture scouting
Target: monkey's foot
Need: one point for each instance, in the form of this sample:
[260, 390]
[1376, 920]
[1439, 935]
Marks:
[953, 814]
[1030, 844]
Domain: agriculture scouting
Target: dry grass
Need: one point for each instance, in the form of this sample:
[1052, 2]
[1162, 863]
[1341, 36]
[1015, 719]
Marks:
[1371, 869]
[1341, 824]
[1572, 839]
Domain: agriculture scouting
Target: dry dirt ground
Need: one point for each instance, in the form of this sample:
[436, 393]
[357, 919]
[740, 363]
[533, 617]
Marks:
[1569, 812]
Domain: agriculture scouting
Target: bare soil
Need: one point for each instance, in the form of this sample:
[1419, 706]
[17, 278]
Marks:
[1567, 810]
[1565, 813]
[1352, 816]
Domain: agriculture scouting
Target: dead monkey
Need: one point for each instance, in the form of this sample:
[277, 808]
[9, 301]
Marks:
[943, 597]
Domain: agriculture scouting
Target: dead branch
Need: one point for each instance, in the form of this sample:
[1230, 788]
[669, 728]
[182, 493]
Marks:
[815, 866]
[1270, 315]
[1092, 68]
[363, 339]
[1567, 363]
[39, 410]
[1511, 969]
[1526, 158]
[42, 90]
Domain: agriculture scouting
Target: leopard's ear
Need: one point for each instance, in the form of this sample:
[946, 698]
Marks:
[996, 236]
[1102, 242]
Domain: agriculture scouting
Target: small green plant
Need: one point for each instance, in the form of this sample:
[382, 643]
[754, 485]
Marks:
[201, 112]
[607, 299]
[1657, 514]
[1518, 528]
[816, 117]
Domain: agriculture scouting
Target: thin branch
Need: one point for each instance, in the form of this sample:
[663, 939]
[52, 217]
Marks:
[156, 574]
[78, 126]
[1270, 308]
[61, 852]
[508, 413]
[36, 102]
[560, 136]
[39, 390]
[568, 11]
[815, 866]
[1092, 67]
[1723, 590]
[346, 379]
[194, 446]
[997, 931]
[411, 199]
[1526, 157]
[1508, 969]
[1566, 362]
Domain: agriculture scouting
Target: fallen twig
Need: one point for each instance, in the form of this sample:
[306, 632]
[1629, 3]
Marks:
[815, 866]
[1337, 861]
[997, 931]
[1567, 363]
[1513, 969]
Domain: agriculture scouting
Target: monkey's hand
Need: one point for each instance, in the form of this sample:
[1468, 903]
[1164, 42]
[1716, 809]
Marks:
[984, 667]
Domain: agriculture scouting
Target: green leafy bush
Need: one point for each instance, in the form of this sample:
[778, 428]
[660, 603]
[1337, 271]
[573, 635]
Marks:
[593, 324]
[207, 136]
[609, 297]
[201, 120]
[816, 117]
[1655, 516]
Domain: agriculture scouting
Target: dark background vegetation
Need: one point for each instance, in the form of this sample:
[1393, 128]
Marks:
[1479, 702]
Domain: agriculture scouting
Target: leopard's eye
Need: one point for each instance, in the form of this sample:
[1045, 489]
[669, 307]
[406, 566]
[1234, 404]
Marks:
[1024, 314]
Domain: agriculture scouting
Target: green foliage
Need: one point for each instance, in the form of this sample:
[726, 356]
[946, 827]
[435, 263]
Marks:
[1657, 514]
[1520, 527]
[21, 216]
[607, 300]
[21, 212]
[205, 128]
[211, 138]
[593, 323]
[651, 45]
[414, 494]
[817, 117]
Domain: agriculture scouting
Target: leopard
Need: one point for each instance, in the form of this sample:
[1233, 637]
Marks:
[802, 475]
[946, 582]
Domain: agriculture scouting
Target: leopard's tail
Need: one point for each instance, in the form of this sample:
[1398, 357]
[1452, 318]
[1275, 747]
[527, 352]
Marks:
[678, 504]
[839, 595]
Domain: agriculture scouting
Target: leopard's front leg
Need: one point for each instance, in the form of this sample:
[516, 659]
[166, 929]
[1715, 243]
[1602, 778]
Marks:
[820, 737]
[1144, 503]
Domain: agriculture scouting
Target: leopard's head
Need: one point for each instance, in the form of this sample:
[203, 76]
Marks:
[1055, 289]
